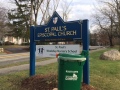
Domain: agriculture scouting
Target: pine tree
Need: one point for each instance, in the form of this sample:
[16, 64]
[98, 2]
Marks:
[20, 19]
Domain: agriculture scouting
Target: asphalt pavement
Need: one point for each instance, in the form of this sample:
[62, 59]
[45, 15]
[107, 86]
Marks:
[25, 56]
[17, 50]
[26, 49]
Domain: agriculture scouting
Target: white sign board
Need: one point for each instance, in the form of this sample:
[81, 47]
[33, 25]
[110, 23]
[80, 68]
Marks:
[51, 50]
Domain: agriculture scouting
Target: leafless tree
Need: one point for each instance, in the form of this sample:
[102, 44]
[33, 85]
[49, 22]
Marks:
[47, 8]
[104, 18]
[115, 5]
[65, 5]
[35, 6]
[44, 8]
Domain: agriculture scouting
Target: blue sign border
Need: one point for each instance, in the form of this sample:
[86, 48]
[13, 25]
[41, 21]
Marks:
[85, 40]
[72, 27]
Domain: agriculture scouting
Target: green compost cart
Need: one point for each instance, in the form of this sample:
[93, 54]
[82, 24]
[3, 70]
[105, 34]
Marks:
[70, 69]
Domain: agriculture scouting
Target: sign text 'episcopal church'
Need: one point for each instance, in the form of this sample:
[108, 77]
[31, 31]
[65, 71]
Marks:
[58, 30]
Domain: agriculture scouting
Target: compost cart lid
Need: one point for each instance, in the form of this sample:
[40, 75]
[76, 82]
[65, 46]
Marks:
[71, 57]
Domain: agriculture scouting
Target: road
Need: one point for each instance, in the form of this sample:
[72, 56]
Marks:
[26, 49]
[6, 59]
[95, 47]
[19, 57]
[22, 57]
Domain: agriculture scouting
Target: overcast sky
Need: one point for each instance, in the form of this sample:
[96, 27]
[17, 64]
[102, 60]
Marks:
[81, 9]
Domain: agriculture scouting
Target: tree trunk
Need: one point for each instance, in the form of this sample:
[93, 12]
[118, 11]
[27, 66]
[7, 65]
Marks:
[31, 16]
[111, 42]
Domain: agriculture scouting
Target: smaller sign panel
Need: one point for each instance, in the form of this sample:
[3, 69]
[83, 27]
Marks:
[51, 50]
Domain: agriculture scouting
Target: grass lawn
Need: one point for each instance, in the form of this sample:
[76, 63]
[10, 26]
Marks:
[104, 75]
[13, 81]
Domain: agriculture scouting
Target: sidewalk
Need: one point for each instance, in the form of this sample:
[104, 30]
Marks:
[25, 66]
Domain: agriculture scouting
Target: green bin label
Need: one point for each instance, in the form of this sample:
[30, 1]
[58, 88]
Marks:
[68, 71]
[72, 77]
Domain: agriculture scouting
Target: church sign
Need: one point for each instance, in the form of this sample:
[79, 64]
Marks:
[58, 30]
